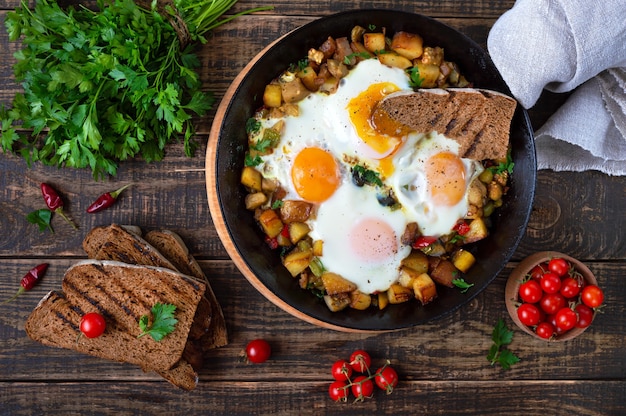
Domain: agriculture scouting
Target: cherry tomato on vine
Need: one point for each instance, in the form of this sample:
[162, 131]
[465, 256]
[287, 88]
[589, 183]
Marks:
[550, 282]
[592, 296]
[585, 315]
[386, 379]
[362, 387]
[360, 361]
[341, 370]
[545, 330]
[529, 314]
[530, 291]
[552, 302]
[338, 391]
[258, 351]
[558, 266]
[570, 288]
[566, 319]
[92, 325]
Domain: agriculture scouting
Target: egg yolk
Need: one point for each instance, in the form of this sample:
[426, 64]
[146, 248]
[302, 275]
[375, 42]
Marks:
[445, 176]
[315, 174]
[361, 108]
[373, 240]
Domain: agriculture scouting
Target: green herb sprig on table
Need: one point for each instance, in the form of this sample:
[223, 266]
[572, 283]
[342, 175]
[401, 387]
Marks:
[163, 321]
[105, 85]
[498, 353]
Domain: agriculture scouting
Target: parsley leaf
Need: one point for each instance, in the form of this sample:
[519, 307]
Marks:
[415, 80]
[362, 176]
[462, 284]
[42, 218]
[348, 58]
[253, 125]
[501, 336]
[163, 321]
[506, 166]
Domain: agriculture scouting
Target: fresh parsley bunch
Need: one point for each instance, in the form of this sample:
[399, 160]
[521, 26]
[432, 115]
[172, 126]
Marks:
[105, 85]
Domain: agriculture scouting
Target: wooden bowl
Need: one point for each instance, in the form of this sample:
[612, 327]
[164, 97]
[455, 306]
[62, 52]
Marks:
[511, 296]
[241, 235]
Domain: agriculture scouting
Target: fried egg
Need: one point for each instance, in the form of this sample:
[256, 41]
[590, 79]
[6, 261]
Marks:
[333, 133]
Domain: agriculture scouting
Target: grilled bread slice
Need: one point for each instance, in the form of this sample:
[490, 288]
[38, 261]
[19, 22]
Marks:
[478, 119]
[122, 293]
[174, 249]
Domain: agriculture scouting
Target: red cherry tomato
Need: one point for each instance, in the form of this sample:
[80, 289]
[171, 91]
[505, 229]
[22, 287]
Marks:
[362, 387]
[570, 287]
[92, 325]
[550, 282]
[545, 330]
[341, 370]
[258, 351]
[338, 391]
[537, 272]
[558, 266]
[529, 314]
[566, 319]
[530, 291]
[585, 315]
[592, 296]
[386, 379]
[360, 361]
[552, 302]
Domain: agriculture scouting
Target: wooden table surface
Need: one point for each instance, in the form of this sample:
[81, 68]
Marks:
[442, 365]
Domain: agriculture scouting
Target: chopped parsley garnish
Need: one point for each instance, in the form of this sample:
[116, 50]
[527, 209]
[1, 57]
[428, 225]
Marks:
[277, 204]
[506, 166]
[253, 125]
[362, 176]
[462, 284]
[252, 161]
[348, 58]
[415, 80]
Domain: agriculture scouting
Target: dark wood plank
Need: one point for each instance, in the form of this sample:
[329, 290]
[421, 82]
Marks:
[587, 398]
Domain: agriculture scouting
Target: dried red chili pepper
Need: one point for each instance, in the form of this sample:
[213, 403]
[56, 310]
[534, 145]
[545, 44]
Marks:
[104, 201]
[29, 279]
[54, 202]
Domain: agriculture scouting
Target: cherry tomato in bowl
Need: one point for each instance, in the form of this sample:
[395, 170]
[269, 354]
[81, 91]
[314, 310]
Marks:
[568, 283]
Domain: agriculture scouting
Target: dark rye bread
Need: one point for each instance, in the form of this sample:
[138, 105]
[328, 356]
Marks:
[479, 120]
[121, 293]
[121, 243]
[174, 249]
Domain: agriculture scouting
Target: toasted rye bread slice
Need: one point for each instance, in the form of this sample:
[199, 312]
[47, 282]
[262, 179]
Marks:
[122, 243]
[172, 246]
[121, 293]
[479, 120]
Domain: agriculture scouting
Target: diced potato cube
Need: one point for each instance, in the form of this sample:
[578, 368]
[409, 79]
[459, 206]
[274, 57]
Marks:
[293, 91]
[308, 77]
[383, 300]
[463, 260]
[394, 60]
[337, 302]
[334, 283]
[251, 178]
[360, 300]
[406, 277]
[297, 231]
[295, 211]
[417, 261]
[271, 224]
[428, 74]
[255, 200]
[424, 288]
[297, 261]
[399, 294]
[272, 96]
[269, 185]
[357, 33]
[318, 248]
[409, 45]
[477, 231]
[374, 42]
[336, 68]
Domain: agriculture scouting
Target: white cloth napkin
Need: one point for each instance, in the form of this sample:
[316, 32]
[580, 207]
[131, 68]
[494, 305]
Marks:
[565, 45]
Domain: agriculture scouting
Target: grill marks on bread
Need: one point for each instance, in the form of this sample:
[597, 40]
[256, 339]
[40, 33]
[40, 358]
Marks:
[479, 120]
